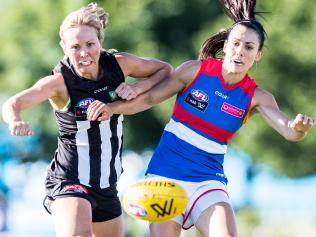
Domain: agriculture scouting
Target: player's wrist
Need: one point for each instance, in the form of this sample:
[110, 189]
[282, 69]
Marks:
[114, 107]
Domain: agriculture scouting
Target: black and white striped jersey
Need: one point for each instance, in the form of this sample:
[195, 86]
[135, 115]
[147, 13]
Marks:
[89, 152]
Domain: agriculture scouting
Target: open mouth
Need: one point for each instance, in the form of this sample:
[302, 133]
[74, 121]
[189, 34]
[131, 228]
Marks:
[238, 62]
[85, 63]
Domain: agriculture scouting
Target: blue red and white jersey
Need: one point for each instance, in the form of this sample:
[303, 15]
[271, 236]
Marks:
[206, 115]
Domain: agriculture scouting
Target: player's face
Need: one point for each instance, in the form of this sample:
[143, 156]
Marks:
[82, 46]
[241, 49]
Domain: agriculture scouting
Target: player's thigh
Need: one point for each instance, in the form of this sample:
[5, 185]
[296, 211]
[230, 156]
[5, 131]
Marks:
[167, 228]
[72, 217]
[110, 228]
[217, 220]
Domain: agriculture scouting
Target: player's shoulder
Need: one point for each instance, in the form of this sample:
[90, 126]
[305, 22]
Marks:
[190, 65]
[124, 56]
[260, 92]
[188, 69]
[262, 96]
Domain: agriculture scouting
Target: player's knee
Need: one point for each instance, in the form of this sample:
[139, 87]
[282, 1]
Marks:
[76, 232]
[86, 233]
[230, 235]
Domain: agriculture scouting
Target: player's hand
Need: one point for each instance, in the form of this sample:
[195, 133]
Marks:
[20, 128]
[302, 123]
[126, 91]
[98, 111]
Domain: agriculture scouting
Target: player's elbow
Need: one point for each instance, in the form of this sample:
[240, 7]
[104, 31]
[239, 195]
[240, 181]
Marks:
[168, 69]
[148, 101]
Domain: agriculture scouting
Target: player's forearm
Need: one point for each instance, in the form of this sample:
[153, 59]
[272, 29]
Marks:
[154, 79]
[11, 111]
[282, 124]
[279, 122]
[293, 135]
[134, 106]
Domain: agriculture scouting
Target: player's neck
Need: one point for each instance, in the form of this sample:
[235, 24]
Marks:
[231, 78]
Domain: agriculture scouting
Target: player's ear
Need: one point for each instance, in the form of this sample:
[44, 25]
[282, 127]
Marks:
[259, 55]
[224, 47]
[62, 45]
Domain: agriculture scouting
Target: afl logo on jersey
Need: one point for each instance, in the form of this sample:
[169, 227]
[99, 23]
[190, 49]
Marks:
[85, 103]
[197, 99]
[199, 95]
[81, 108]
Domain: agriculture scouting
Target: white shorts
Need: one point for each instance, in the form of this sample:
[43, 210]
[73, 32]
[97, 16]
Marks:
[201, 196]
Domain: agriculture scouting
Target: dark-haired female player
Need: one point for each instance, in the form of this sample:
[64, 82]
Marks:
[215, 98]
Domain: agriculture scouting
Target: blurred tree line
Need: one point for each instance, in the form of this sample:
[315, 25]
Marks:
[172, 31]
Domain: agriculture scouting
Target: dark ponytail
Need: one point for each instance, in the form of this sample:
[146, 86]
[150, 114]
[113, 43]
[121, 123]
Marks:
[213, 46]
[241, 12]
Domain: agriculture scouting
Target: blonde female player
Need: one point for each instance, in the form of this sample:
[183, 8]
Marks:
[81, 180]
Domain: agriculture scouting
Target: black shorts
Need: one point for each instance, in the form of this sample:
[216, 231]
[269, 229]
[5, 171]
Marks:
[105, 202]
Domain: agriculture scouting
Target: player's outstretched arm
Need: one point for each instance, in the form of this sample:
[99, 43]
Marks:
[291, 129]
[149, 72]
[176, 82]
[12, 108]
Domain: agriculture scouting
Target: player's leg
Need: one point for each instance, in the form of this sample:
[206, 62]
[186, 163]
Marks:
[210, 211]
[107, 220]
[72, 217]
[167, 228]
[110, 228]
[217, 220]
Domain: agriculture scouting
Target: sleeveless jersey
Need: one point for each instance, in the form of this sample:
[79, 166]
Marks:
[89, 152]
[205, 117]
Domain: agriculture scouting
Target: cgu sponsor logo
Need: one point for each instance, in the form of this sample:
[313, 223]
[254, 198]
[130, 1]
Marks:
[101, 89]
[220, 94]
[199, 95]
[136, 210]
[85, 102]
